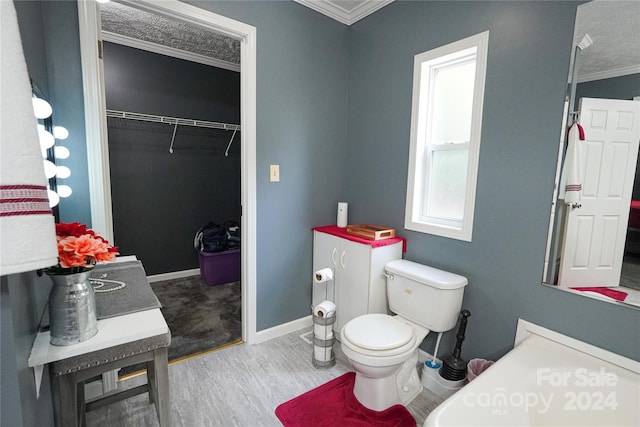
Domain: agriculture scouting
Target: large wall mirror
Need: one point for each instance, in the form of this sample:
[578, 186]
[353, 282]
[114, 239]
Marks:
[594, 233]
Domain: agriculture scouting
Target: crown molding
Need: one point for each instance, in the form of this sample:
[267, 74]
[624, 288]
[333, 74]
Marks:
[334, 10]
[609, 74]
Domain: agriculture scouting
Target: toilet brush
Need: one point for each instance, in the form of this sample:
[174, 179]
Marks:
[454, 368]
[433, 363]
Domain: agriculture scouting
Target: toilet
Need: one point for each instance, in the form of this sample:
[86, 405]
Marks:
[383, 349]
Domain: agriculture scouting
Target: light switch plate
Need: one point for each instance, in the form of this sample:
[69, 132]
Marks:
[274, 173]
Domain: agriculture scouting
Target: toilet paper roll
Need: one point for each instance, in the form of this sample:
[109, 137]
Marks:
[323, 275]
[343, 210]
[325, 309]
[322, 354]
[323, 332]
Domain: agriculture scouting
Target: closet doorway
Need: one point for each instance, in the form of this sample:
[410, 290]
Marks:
[171, 126]
[190, 141]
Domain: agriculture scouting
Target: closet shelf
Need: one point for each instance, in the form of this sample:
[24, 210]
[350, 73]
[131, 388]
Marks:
[171, 120]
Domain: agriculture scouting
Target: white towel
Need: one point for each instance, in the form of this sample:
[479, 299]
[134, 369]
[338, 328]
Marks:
[571, 182]
[27, 229]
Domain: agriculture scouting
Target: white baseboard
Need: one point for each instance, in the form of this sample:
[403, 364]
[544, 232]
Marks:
[285, 328]
[173, 275]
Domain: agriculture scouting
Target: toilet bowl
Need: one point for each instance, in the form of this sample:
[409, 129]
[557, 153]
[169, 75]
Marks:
[383, 349]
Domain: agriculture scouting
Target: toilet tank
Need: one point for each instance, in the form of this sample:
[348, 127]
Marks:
[424, 295]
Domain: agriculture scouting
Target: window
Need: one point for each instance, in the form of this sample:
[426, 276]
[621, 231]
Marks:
[448, 90]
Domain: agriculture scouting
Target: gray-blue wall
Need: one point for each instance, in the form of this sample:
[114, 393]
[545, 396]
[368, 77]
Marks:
[49, 31]
[23, 296]
[528, 64]
[65, 91]
[334, 111]
[22, 300]
[527, 68]
[302, 117]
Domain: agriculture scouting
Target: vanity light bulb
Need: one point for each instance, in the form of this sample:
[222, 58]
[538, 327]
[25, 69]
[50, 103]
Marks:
[63, 172]
[54, 199]
[61, 152]
[60, 132]
[49, 169]
[64, 190]
[41, 108]
[46, 138]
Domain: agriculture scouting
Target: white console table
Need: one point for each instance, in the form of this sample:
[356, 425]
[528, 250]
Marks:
[111, 332]
[123, 340]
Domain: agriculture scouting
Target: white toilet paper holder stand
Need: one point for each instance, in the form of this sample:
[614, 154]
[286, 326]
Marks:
[323, 340]
[323, 320]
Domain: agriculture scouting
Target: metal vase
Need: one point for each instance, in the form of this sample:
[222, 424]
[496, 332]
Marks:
[72, 309]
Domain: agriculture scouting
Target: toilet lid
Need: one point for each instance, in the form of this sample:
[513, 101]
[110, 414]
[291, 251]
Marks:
[378, 332]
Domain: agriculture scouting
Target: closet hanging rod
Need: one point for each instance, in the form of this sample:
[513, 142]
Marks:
[171, 120]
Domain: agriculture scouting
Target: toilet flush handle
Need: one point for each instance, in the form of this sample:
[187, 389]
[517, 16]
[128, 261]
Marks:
[387, 276]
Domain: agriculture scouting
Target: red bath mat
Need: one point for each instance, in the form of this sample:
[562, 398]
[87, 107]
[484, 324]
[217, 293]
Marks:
[333, 404]
[608, 292]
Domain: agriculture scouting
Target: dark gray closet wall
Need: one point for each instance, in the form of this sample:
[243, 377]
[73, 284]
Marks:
[160, 199]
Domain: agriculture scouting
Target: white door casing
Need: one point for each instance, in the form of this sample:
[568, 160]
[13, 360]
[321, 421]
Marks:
[552, 244]
[95, 122]
[595, 232]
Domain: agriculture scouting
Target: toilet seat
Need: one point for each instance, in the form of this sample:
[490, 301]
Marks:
[378, 335]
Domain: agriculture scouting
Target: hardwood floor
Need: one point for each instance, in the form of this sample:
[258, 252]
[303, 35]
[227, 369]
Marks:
[238, 386]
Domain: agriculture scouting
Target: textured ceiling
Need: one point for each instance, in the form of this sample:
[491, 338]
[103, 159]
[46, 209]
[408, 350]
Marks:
[613, 26]
[154, 28]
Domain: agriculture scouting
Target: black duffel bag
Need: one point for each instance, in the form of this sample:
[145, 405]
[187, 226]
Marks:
[233, 234]
[211, 238]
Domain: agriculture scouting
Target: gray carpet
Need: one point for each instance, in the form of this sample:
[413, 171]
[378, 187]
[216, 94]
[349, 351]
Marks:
[200, 317]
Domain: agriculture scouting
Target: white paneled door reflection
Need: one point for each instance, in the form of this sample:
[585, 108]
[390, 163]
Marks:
[596, 227]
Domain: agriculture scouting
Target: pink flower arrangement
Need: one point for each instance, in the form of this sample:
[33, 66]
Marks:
[79, 248]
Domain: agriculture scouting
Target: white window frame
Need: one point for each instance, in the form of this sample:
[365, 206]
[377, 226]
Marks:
[420, 147]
